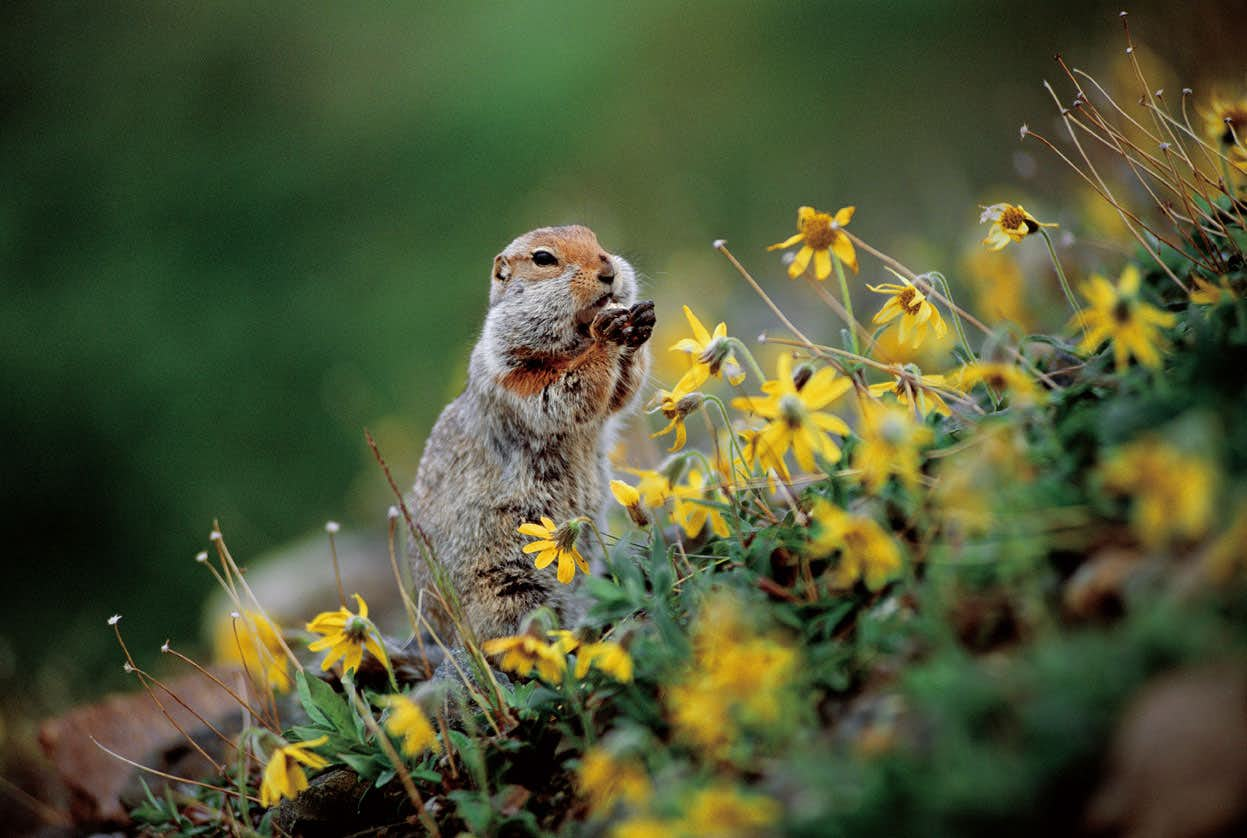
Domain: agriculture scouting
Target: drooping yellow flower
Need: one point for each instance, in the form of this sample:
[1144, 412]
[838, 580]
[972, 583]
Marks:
[867, 552]
[555, 542]
[1117, 314]
[346, 637]
[928, 398]
[676, 406]
[1174, 492]
[691, 513]
[654, 487]
[891, 442]
[1010, 223]
[1207, 294]
[609, 657]
[1225, 126]
[711, 354]
[407, 720]
[797, 421]
[564, 641]
[284, 776]
[605, 780]
[1002, 378]
[630, 499]
[724, 811]
[918, 316]
[253, 641]
[820, 234]
[524, 653]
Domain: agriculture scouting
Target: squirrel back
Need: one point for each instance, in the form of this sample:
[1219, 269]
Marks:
[562, 353]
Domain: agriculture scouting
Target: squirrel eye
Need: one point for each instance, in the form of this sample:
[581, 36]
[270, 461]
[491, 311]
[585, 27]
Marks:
[541, 256]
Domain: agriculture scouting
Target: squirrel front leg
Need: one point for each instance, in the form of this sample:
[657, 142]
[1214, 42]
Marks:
[594, 382]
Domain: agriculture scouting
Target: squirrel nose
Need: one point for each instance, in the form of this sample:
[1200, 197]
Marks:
[607, 272]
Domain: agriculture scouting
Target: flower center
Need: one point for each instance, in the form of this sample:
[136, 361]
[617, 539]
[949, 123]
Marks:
[910, 300]
[715, 354]
[565, 536]
[892, 429]
[1013, 218]
[356, 628]
[792, 411]
[1121, 311]
[819, 231]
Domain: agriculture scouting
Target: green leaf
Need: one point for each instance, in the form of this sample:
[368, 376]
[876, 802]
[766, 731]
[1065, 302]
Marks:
[326, 706]
[367, 767]
[474, 809]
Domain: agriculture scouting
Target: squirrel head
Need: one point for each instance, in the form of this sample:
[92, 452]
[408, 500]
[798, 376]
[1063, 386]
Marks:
[550, 283]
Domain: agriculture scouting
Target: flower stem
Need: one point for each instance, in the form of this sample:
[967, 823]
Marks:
[1060, 275]
[751, 362]
[848, 302]
[952, 309]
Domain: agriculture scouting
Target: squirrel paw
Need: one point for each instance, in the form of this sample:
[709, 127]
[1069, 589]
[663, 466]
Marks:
[624, 326]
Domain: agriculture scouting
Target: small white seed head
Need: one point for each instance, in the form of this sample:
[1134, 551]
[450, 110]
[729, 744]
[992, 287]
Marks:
[126, 667]
[114, 620]
[214, 536]
[719, 244]
[393, 513]
[332, 527]
[201, 556]
[164, 647]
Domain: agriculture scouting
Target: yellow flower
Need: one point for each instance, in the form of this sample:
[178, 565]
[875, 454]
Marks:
[346, 637]
[630, 499]
[564, 641]
[710, 354]
[1225, 126]
[1002, 378]
[999, 288]
[605, 779]
[890, 445]
[1010, 223]
[407, 720]
[524, 653]
[253, 641]
[820, 234]
[609, 657]
[283, 776]
[1207, 294]
[555, 542]
[866, 551]
[1174, 492]
[794, 408]
[918, 315]
[654, 487]
[1119, 315]
[647, 827]
[735, 677]
[928, 397]
[723, 811]
[690, 513]
[676, 406]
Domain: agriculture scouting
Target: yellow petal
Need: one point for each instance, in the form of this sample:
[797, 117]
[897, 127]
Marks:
[822, 264]
[800, 262]
[699, 331]
[843, 248]
[538, 546]
[844, 215]
[788, 242]
[534, 530]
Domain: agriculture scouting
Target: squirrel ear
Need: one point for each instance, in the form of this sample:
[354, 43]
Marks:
[502, 268]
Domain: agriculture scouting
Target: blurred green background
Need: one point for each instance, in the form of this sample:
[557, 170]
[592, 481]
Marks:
[231, 237]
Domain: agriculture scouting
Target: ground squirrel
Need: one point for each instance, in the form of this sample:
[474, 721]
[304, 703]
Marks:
[562, 353]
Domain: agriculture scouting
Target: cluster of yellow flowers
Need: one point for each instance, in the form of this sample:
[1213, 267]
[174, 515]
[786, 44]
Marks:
[736, 679]
[527, 653]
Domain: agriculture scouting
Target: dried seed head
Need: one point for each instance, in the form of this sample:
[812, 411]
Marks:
[214, 536]
[719, 244]
[393, 513]
[332, 527]
[114, 620]
[201, 556]
[165, 647]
